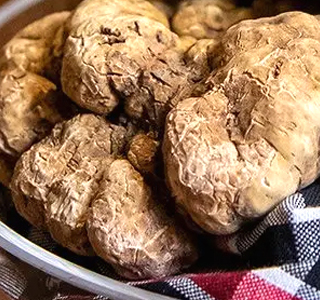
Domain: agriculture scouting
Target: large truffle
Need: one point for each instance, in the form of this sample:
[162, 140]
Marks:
[54, 182]
[130, 230]
[118, 53]
[253, 139]
[72, 180]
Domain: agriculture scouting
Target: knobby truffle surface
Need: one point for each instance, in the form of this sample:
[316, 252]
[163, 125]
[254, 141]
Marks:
[55, 181]
[130, 230]
[124, 54]
[253, 139]
[31, 104]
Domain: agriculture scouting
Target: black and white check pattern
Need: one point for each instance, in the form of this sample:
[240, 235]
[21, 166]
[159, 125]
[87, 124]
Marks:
[293, 231]
[188, 289]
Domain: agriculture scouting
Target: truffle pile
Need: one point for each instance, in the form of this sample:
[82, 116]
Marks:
[118, 115]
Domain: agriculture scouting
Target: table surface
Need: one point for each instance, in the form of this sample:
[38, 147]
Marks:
[39, 285]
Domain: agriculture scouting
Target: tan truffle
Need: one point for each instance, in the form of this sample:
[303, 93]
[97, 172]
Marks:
[129, 229]
[123, 53]
[142, 153]
[54, 182]
[73, 185]
[27, 110]
[30, 104]
[207, 19]
[252, 140]
[38, 48]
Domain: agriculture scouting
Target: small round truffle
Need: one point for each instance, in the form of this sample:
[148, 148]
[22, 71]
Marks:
[142, 153]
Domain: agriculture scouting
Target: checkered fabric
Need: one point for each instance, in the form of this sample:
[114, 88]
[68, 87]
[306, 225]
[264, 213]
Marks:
[277, 259]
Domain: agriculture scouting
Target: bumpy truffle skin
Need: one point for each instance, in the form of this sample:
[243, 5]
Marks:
[30, 106]
[202, 52]
[90, 10]
[123, 53]
[236, 152]
[203, 58]
[38, 47]
[55, 181]
[129, 230]
[29, 103]
[142, 153]
[207, 19]
[27, 111]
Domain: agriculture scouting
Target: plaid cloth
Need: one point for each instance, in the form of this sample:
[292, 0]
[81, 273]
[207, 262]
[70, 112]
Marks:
[278, 258]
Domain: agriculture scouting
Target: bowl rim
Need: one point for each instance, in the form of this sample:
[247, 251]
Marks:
[58, 267]
[13, 8]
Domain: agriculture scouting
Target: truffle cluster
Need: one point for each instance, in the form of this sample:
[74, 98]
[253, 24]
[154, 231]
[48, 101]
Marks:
[114, 111]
